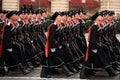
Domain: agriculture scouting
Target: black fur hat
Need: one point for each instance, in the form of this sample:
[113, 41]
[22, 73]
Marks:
[10, 14]
[55, 15]
[95, 16]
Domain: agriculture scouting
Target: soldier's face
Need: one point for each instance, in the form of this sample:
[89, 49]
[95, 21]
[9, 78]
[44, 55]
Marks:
[25, 16]
[21, 16]
[38, 15]
[34, 16]
[14, 17]
[113, 17]
[17, 17]
[76, 15]
[4, 16]
[64, 17]
[59, 18]
[82, 16]
[100, 18]
[103, 18]
[109, 17]
[44, 14]
[30, 15]
[69, 19]
[73, 16]
[1, 15]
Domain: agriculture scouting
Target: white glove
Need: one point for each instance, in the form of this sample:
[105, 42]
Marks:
[31, 41]
[68, 45]
[94, 50]
[53, 49]
[60, 47]
[10, 50]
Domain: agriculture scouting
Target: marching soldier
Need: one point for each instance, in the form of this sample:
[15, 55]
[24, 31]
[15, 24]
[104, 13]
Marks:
[96, 56]
[23, 42]
[2, 24]
[11, 60]
[53, 56]
[65, 31]
[82, 15]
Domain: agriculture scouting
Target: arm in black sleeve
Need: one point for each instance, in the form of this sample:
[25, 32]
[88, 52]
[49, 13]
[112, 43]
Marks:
[52, 36]
[93, 37]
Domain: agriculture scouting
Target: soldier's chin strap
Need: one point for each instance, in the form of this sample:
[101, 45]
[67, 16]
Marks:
[2, 35]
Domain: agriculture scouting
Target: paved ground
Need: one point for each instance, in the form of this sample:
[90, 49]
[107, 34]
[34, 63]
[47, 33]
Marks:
[34, 75]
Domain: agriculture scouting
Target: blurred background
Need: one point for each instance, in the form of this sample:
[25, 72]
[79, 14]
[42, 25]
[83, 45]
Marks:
[90, 6]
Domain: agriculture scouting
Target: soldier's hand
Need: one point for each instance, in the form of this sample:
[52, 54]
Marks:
[53, 49]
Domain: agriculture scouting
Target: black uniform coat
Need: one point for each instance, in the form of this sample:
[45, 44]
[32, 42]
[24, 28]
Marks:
[52, 59]
[10, 57]
[82, 37]
[96, 56]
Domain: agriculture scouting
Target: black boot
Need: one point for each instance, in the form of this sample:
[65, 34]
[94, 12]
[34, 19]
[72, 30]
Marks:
[116, 67]
[2, 72]
[44, 73]
[84, 74]
[24, 69]
[68, 73]
[118, 63]
[76, 66]
[71, 68]
[36, 62]
[111, 72]
[91, 72]
[30, 65]
[53, 71]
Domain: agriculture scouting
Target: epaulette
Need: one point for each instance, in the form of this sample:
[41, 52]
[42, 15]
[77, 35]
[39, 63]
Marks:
[19, 19]
[8, 23]
[95, 23]
[55, 23]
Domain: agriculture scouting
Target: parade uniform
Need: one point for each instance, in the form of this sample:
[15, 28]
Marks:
[52, 58]
[98, 53]
[82, 37]
[10, 58]
[23, 43]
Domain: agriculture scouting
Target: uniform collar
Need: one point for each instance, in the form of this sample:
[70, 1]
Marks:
[55, 23]
[95, 23]
[8, 23]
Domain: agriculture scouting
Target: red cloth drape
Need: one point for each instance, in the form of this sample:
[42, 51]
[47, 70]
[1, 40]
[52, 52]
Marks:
[47, 46]
[2, 35]
[88, 48]
[37, 2]
[89, 3]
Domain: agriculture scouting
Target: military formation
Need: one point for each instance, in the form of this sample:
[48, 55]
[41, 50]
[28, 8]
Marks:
[103, 46]
[66, 44]
[27, 41]
[22, 40]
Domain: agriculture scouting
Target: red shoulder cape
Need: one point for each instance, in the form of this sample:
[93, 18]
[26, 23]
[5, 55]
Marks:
[88, 48]
[2, 35]
[47, 42]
